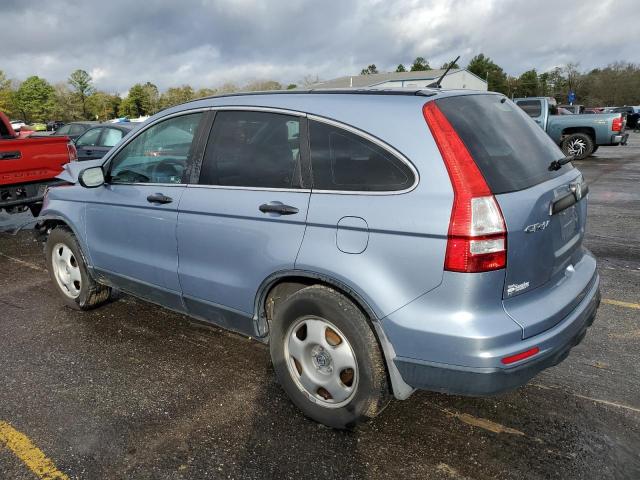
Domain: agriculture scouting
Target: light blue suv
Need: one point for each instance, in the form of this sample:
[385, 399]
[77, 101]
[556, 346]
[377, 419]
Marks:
[378, 241]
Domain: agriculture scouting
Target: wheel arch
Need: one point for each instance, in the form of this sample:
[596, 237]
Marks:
[288, 282]
[590, 131]
[50, 221]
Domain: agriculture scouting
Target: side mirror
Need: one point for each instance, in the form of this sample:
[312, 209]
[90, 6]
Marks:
[91, 177]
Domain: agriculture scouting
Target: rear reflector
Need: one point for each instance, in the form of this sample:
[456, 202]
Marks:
[477, 239]
[520, 356]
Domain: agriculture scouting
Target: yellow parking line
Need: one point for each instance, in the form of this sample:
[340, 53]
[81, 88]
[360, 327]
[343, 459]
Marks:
[618, 303]
[31, 455]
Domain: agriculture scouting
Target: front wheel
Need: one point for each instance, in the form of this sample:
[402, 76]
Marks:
[327, 358]
[578, 145]
[68, 272]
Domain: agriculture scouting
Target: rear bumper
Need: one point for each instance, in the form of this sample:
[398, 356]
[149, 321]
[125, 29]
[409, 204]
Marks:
[619, 139]
[554, 345]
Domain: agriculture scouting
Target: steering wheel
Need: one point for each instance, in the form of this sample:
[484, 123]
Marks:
[170, 167]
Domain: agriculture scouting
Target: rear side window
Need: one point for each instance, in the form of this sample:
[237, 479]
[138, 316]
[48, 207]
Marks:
[253, 149]
[511, 151]
[342, 160]
[532, 107]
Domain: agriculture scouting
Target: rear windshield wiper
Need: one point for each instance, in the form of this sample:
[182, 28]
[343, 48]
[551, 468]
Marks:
[557, 164]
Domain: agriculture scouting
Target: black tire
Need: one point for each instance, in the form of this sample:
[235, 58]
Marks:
[371, 393]
[571, 142]
[595, 149]
[92, 294]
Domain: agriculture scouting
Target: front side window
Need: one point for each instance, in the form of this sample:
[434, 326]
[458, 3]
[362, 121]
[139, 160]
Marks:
[90, 138]
[159, 154]
[342, 160]
[253, 149]
[111, 137]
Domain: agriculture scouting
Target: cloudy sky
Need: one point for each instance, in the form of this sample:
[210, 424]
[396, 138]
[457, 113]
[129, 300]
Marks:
[207, 42]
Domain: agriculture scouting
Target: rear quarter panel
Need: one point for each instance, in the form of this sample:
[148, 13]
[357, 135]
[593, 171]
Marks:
[405, 233]
[601, 124]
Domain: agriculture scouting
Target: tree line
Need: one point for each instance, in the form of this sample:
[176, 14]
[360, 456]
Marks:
[614, 85]
[36, 100]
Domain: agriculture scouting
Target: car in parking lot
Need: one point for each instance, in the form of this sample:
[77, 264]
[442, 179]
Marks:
[379, 241]
[74, 129]
[98, 140]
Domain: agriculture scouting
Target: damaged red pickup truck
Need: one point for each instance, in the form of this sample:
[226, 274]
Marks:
[28, 166]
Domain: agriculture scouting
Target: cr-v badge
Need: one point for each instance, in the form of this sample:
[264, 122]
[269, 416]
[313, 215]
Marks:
[536, 226]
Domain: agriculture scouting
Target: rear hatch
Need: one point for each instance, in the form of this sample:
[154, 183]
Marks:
[544, 209]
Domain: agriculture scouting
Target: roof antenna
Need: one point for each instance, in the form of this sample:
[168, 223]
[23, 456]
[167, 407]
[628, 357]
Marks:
[436, 84]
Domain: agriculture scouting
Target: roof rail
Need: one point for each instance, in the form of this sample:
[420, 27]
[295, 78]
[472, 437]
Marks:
[332, 91]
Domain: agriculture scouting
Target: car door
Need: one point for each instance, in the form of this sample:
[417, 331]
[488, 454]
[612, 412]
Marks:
[87, 143]
[131, 220]
[245, 217]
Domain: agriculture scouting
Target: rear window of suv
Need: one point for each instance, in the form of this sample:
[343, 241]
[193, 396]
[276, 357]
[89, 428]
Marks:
[511, 151]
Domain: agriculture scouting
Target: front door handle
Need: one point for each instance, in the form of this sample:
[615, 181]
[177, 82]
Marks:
[277, 207]
[159, 198]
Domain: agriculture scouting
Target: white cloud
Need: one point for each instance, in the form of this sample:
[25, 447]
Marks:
[207, 42]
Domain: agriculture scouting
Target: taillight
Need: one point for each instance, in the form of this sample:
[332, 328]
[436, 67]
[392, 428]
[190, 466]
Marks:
[616, 125]
[477, 239]
[73, 152]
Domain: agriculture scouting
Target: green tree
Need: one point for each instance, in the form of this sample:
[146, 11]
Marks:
[292, 86]
[420, 64]
[35, 99]
[371, 69]
[205, 92]
[445, 65]
[7, 95]
[262, 85]
[82, 84]
[142, 100]
[400, 68]
[176, 95]
[486, 69]
[528, 84]
[103, 106]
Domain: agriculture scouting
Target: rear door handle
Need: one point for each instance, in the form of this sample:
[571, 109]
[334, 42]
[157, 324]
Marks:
[277, 207]
[10, 155]
[159, 198]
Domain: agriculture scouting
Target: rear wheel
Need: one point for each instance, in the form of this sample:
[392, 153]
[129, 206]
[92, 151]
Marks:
[68, 272]
[578, 145]
[327, 358]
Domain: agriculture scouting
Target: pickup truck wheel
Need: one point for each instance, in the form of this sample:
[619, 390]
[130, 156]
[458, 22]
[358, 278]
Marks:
[327, 358]
[595, 149]
[579, 145]
[68, 272]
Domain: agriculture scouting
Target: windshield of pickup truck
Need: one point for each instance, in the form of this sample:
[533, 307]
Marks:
[511, 151]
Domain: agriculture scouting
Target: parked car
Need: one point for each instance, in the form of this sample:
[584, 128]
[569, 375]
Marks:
[74, 129]
[578, 135]
[54, 125]
[370, 254]
[97, 141]
[631, 115]
[17, 124]
[28, 166]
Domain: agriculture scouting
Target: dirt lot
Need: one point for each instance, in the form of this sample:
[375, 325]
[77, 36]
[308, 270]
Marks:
[134, 391]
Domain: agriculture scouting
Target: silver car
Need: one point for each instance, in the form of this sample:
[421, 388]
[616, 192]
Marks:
[379, 241]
